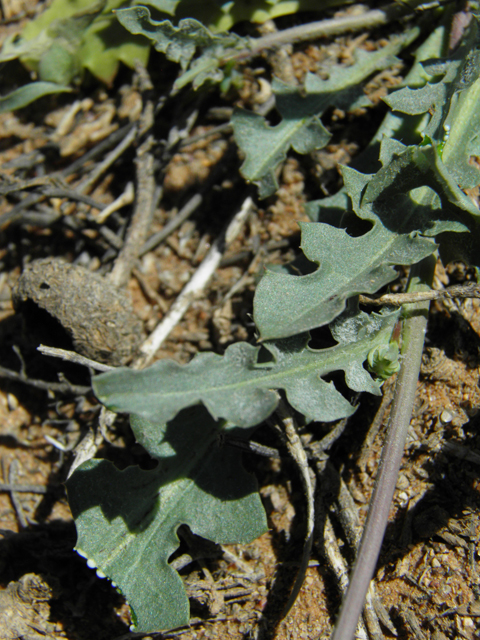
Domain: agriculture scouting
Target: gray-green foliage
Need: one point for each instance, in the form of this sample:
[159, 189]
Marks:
[73, 35]
[452, 99]
[23, 96]
[449, 102]
[128, 520]
[265, 147]
[414, 197]
[408, 201]
[240, 388]
[53, 52]
[180, 44]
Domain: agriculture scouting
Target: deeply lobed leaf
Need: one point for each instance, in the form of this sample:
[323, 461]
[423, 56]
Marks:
[241, 389]
[451, 98]
[411, 199]
[127, 520]
[265, 147]
[180, 44]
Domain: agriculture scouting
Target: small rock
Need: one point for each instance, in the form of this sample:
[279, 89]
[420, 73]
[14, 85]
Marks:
[446, 417]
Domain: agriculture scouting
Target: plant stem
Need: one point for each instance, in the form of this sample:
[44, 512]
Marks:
[334, 26]
[413, 337]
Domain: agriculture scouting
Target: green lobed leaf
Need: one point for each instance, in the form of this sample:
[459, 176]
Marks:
[337, 208]
[53, 51]
[241, 388]
[451, 98]
[107, 44]
[127, 520]
[433, 97]
[89, 35]
[409, 200]
[180, 44]
[177, 43]
[265, 147]
[29, 93]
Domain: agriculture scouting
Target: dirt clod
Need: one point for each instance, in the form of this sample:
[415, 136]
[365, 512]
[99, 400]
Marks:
[24, 609]
[97, 316]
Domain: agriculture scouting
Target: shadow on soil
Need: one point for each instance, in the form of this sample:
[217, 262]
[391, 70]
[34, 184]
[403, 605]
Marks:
[85, 606]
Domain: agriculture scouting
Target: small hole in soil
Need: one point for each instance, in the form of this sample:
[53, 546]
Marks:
[44, 285]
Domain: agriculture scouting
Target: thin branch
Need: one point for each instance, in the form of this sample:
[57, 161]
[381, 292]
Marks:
[125, 142]
[226, 127]
[127, 197]
[119, 135]
[243, 566]
[12, 478]
[145, 188]
[194, 288]
[328, 28]
[63, 448]
[23, 488]
[60, 387]
[399, 299]
[252, 447]
[413, 339]
[347, 514]
[142, 215]
[296, 450]
[375, 426]
[319, 449]
[71, 194]
[11, 186]
[16, 212]
[333, 556]
[71, 356]
[184, 213]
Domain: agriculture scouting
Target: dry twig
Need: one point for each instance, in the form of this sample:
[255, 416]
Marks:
[12, 481]
[184, 213]
[142, 216]
[71, 356]
[399, 299]
[60, 387]
[193, 289]
[296, 450]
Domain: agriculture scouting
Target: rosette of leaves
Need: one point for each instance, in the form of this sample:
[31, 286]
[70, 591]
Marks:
[128, 520]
